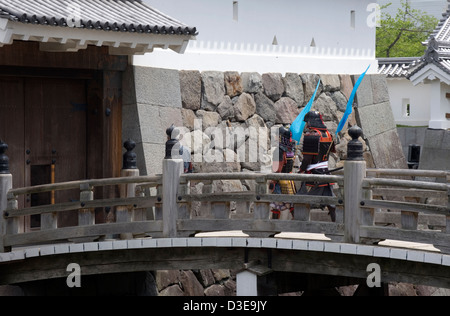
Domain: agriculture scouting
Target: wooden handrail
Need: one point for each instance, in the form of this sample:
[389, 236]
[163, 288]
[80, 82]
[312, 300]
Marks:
[257, 223]
[409, 172]
[406, 184]
[76, 184]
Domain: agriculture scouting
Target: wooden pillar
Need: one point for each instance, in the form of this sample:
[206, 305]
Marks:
[172, 170]
[262, 209]
[129, 169]
[5, 186]
[255, 280]
[355, 172]
[246, 284]
[86, 216]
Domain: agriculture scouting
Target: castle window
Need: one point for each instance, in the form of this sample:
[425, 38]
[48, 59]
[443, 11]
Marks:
[353, 19]
[235, 11]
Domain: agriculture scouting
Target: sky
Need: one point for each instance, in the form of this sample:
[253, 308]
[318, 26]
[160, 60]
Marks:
[434, 7]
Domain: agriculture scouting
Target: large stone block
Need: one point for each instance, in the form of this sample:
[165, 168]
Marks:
[146, 125]
[287, 111]
[191, 89]
[446, 140]
[310, 82]
[233, 83]
[273, 85]
[226, 109]
[208, 119]
[331, 83]
[346, 85]
[387, 150]
[213, 89]
[245, 107]
[154, 120]
[327, 107]
[131, 128]
[436, 150]
[433, 138]
[265, 107]
[375, 119]
[379, 89]
[153, 158]
[251, 82]
[435, 159]
[157, 86]
[364, 94]
[294, 88]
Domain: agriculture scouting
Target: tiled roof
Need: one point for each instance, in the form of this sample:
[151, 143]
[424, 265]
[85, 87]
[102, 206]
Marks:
[132, 16]
[437, 54]
[442, 30]
[438, 47]
[396, 67]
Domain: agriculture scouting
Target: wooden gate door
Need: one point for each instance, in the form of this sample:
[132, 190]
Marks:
[43, 121]
[55, 139]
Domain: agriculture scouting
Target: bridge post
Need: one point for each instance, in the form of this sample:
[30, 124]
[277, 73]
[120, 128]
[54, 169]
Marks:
[5, 186]
[246, 284]
[129, 169]
[172, 170]
[354, 174]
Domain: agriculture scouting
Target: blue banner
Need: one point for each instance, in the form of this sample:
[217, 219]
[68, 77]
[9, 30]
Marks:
[298, 125]
[349, 108]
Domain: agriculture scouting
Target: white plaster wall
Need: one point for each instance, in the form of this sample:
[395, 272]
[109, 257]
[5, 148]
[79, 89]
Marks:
[419, 97]
[225, 44]
[445, 107]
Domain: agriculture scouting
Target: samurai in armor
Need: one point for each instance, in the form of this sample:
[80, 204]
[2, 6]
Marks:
[317, 146]
[283, 162]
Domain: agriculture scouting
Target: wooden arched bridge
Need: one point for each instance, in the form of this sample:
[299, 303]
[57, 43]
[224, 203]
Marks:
[156, 227]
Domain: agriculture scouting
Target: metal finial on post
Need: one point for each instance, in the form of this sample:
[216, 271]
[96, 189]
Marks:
[4, 160]
[129, 158]
[173, 135]
[355, 147]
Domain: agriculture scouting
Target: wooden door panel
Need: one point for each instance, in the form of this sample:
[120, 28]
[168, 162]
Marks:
[11, 125]
[55, 133]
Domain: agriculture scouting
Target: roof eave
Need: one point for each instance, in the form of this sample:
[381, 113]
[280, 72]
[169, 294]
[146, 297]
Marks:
[68, 39]
[430, 72]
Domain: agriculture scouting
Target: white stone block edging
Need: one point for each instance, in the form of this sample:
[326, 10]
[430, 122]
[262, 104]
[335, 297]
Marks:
[415, 255]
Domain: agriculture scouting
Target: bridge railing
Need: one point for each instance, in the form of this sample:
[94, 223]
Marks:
[407, 209]
[128, 213]
[371, 205]
[217, 213]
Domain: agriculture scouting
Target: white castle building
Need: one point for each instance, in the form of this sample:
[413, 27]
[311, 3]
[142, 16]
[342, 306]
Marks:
[326, 36]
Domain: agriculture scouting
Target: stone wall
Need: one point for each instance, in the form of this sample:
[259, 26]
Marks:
[229, 102]
[196, 283]
[205, 103]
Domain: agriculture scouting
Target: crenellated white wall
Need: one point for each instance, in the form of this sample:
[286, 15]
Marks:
[239, 35]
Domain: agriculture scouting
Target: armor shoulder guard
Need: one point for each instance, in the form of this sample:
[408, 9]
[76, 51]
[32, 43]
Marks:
[311, 143]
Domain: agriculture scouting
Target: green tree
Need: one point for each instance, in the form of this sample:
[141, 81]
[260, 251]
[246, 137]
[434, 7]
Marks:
[402, 35]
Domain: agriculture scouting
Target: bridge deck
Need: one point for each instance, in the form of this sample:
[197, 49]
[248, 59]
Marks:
[294, 253]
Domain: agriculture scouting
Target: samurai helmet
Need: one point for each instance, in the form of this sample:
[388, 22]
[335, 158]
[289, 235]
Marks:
[286, 143]
[314, 119]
